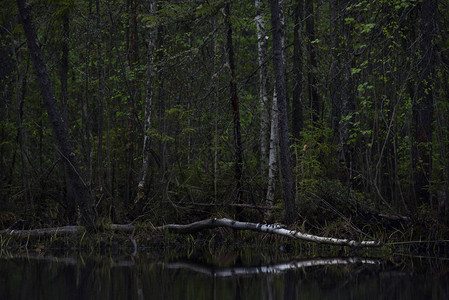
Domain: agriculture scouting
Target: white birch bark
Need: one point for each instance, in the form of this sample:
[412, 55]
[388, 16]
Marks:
[273, 158]
[148, 102]
[263, 97]
[274, 131]
[266, 228]
[201, 225]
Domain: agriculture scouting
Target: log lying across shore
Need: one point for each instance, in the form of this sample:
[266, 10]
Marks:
[206, 224]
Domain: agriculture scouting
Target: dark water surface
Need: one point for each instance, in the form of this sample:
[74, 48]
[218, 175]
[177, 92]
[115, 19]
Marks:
[44, 276]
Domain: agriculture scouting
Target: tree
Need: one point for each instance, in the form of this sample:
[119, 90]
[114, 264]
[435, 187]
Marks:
[341, 84]
[284, 144]
[148, 100]
[311, 76]
[273, 153]
[263, 96]
[64, 69]
[235, 106]
[423, 105]
[133, 90]
[297, 105]
[78, 186]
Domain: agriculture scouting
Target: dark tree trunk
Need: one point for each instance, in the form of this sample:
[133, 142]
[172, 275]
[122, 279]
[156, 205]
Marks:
[100, 116]
[6, 67]
[5, 99]
[341, 92]
[71, 203]
[132, 98]
[423, 105]
[79, 188]
[235, 107]
[297, 118]
[284, 144]
[335, 93]
[312, 82]
[347, 106]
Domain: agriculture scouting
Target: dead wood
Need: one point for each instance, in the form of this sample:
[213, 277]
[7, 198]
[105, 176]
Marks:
[206, 224]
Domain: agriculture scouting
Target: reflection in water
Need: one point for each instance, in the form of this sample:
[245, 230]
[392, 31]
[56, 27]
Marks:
[46, 277]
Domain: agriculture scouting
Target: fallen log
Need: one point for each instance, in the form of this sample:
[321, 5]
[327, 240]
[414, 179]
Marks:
[393, 217]
[206, 224]
[266, 228]
[43, 231]
[240, 205]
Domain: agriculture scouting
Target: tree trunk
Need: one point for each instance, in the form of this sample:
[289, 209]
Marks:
[423, 106]
[235, 106]
[71, 202]
[132, 98]
[347, 106]
[277, 229]
[334, 92]
[273, 157]
[100, 114]
[148, 102]
[263, 96]
[312, 82]
[284, 144]
[297, 118]
[78, 186]
[341, 86]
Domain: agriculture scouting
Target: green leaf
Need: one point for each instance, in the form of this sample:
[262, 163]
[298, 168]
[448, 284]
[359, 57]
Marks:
[355, 71]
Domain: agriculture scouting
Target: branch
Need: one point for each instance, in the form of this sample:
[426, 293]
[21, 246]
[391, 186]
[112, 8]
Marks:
[207, 224]
[43, 231]
[267, 228]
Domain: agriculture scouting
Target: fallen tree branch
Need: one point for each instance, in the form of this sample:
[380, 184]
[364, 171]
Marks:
[43, 231]
[242, 205]
[207, 224]
[393, 217]
[267, 228]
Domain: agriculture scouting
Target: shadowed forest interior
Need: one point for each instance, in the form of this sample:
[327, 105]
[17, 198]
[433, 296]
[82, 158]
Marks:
[314, 112]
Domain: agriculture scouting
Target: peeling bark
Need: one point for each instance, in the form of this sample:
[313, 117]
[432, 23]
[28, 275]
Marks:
[208, 224]
[265, 228]
[148, 102]
[273, 158]
[263, 96]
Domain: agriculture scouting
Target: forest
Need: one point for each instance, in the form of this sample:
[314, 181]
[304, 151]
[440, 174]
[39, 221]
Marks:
[325, 115]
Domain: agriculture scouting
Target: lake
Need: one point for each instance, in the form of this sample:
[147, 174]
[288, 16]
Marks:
[42, 275]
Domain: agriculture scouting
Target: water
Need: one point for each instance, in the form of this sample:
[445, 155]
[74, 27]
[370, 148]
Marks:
[44, 276]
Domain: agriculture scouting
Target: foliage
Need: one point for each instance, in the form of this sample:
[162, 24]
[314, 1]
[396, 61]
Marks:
[366, 76]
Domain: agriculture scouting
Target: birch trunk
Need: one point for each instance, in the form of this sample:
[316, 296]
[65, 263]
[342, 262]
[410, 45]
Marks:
[263, 96]
[207, 224]
[272, 159]
[148, 102]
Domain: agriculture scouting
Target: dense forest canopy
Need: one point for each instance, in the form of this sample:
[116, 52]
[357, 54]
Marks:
[182, 102]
